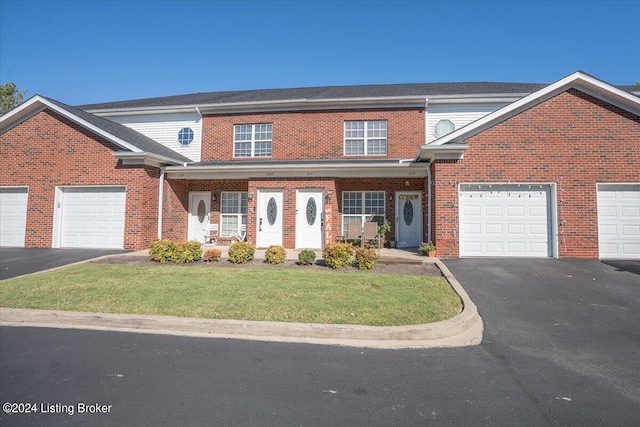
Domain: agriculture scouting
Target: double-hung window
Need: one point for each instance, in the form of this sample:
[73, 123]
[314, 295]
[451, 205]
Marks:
[252, 140]
[233, 212]
[361, 206]
[365, 138]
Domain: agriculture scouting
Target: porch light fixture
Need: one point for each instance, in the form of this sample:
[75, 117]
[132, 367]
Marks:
[327, 198]
[250, 196]
[213, 197]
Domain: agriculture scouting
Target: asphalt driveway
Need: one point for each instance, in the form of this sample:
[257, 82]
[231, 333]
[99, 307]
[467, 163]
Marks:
[19, 261]
[567, 331]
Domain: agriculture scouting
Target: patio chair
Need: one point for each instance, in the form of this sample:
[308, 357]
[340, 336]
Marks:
[370, 233]
[354, 231]
[240, 236]
[212, 234]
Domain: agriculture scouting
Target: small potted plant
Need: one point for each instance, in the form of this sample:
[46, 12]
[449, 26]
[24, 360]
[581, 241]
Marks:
[428, 249]
[383, 228]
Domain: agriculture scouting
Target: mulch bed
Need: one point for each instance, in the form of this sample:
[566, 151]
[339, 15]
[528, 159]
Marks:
[381, 267]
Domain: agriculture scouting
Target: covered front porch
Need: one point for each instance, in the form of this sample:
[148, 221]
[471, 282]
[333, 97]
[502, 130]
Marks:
[301, 205]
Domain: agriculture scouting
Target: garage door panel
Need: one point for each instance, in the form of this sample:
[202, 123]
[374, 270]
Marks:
[619, 220]
[13, 215]
[515, 211]
[512, 221]
[93, 217]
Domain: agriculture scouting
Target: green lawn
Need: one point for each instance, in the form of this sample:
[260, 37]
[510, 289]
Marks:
[287, 295]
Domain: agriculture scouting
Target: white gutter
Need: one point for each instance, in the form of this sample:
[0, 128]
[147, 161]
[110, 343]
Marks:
[160, 202]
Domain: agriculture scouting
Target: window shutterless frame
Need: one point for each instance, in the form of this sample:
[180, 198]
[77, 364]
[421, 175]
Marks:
[365, 138]
[252, 140]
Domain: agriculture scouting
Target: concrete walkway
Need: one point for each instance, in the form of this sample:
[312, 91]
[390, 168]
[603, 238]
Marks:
[465, 329]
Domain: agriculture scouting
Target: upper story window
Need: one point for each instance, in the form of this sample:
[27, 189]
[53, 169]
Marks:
[185, 136]
[368, 138]
[443, 127]
[252, 140]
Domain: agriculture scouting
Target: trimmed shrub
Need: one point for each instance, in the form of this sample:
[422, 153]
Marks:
[186, 251]
[365, 258]
[337, 255]
[241, 252]
[307, 257]
[181, 252]
[161, 251]
[276, 255]
[212, 255]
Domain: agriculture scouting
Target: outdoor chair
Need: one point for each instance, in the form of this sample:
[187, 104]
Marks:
[240, 236]
[371, 233]
[212, 234]
[354, 231]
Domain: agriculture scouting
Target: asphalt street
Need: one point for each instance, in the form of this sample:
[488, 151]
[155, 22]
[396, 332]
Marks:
[561, 347]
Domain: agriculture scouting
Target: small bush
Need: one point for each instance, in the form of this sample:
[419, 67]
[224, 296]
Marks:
[337, 255]
[307, 257]
[241, 252]
[161, 251]
[212, 255]
[276, 255]
[178, 252]
[365, 258]
[186, 251]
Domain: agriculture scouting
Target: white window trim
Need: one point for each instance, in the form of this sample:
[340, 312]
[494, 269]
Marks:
[364, 216]
[366, 138]
[238, 216]
[253, 140]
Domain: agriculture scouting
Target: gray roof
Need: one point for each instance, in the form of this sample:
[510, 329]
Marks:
[328, 92]
[129, 135]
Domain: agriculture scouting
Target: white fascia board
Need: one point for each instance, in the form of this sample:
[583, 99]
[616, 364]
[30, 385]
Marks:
[315, 104]
[399, 170]
[38, 103]
[579, 80]
[473, 99]
[146, 158]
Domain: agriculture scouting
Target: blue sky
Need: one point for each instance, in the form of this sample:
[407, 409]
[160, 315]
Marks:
[96, 51]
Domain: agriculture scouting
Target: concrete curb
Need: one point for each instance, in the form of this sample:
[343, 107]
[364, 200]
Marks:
[463, 330]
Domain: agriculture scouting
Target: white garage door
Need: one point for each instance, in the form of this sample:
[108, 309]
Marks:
[13, 215]
[619, 221]
[93, 217]
[505, 220]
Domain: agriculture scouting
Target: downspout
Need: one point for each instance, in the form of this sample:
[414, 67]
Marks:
[429, 240]
[160, 194]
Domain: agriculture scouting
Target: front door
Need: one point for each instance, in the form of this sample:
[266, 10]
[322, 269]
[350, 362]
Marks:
[199, 208]
[408, 218]
[309, 219]
[270, 213]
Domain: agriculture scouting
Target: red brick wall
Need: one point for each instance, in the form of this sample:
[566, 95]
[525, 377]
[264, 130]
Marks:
[313, 134]
[47, 150]
[572, 139]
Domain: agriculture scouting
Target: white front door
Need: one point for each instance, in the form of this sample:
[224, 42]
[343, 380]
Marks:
[199, 208]
[408, 218]
[270, 213]
[309, 220]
